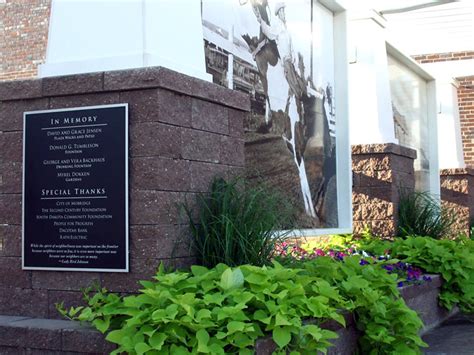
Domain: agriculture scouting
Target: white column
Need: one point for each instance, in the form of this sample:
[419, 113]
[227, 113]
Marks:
[173, 36]
[370, 104]
[450, 141]
[449, 126]
[99, 35]
[230, 61]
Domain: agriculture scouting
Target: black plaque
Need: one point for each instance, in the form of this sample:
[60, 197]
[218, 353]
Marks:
[75, 189]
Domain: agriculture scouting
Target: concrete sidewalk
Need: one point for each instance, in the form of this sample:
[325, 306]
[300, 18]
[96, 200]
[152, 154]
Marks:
[454, 337]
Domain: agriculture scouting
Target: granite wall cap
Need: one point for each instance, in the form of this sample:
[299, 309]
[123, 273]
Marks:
[121, 80]
[457, 171]
[20, 89]
[384, 148]
[73, 84]
[47, 324]
[6, 320]
[160, 77]
[411, 291]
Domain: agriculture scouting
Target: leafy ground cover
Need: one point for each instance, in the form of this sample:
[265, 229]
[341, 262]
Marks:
[225, 310]
[452, 259]
[409, 258]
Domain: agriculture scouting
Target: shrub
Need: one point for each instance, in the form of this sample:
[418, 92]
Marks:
[388, 326]
[224, 310]
[422, 215]
[237, 223]
[471, 229]
[453, 259]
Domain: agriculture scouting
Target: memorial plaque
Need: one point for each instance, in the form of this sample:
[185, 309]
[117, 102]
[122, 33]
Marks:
[75, 189]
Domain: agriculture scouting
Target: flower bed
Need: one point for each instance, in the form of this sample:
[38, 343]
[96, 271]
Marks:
[41, 335]
[299, 307]
[407, 274]
[227, 310]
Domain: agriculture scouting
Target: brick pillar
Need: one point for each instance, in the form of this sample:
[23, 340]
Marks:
[182, 132]
[457, 192]
[466, 116]
[380, 173]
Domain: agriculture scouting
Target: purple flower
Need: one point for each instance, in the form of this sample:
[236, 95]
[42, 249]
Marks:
[363, 262]
[426, 278]
[400, 284]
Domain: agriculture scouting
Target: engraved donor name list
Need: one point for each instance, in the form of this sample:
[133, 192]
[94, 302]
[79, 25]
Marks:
[75, 189]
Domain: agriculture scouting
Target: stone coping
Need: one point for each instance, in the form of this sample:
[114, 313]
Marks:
[412, 291]
[120, 80]
[457, 171]
[49, 335]
[384, 148]
[72, 337]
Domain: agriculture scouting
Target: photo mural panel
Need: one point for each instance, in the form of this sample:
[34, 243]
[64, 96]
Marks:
[282, 55]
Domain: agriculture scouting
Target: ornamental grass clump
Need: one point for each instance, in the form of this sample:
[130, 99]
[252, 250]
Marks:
[236, 223]
[421, 214]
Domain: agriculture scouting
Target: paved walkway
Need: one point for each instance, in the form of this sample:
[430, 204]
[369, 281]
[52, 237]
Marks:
[453, 337]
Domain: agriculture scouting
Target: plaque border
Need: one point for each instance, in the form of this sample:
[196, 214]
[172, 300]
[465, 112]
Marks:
[127, 227]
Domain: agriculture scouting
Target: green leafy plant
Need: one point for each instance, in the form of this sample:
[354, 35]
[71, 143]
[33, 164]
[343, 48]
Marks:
[225, 310]
[471, 229]
[453, 259]
[421, 214]
[218, 311]
[388, 326]
[236, 223]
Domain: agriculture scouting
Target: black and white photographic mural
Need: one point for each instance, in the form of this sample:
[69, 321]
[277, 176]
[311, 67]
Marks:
[282, 54]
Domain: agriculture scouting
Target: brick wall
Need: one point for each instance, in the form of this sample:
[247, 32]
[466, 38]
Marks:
[23, 37]
[182, 132]
[443, 57]
[466, 115]
[465, 98]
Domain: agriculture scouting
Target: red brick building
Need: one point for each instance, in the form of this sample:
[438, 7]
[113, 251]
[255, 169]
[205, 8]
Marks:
[465, 98]
[24, 35]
